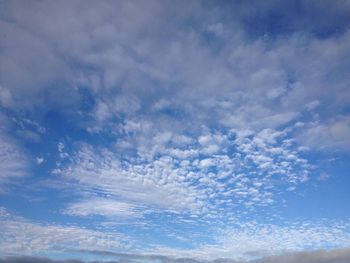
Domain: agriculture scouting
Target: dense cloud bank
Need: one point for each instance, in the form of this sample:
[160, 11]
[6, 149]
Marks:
[321, 256]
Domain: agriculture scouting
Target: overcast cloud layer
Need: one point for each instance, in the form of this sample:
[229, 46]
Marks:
[177, 129]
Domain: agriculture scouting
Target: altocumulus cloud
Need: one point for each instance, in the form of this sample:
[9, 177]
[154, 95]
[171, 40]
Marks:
[193, 130]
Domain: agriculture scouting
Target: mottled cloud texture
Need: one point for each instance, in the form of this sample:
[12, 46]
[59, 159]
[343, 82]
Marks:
[179, 129]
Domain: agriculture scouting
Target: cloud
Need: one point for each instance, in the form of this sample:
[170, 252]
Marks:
[331, 135]
[125, 72]
[193, 111]
[321, 256]
[259, 240]
[39, 160]
[201, 173]
[35, 259]
[19, 234]
[5, 97]
[14, 164]
[104, 207]
[255, 240]
[136, 183]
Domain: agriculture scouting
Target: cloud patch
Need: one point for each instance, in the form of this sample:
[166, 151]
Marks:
[320, 256]
[20, 234]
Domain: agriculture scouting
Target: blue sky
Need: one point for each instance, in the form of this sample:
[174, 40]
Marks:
[174, 129]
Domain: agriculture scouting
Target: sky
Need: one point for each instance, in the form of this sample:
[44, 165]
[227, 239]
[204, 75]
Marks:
[174, 131]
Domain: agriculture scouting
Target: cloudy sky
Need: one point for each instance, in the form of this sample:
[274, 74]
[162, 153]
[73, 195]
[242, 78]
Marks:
[175, 131]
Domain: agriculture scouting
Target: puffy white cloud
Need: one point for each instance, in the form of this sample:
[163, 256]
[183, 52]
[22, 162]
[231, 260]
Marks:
[39, 160]
[154, 184]
[210, 122]
[247, 169]
[242, 84]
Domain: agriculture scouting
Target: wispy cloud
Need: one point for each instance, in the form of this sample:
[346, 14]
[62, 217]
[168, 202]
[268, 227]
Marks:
[19, 235]
[105, 207]
[321, 256]
[332, 134]
[14, 163]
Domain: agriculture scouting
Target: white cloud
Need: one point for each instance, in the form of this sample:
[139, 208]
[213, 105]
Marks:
[154, 184]
[104, 207]
[252, 240]
[14, 164]
[19, 235]
[39, 160]
[165, 95]
[247, 169]
[248, 240]
[333, 134]
[241, 85]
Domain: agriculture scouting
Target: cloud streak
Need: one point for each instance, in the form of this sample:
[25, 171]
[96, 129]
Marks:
[247, 240]
[320, 256]
[19, 234]
[14, 164]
